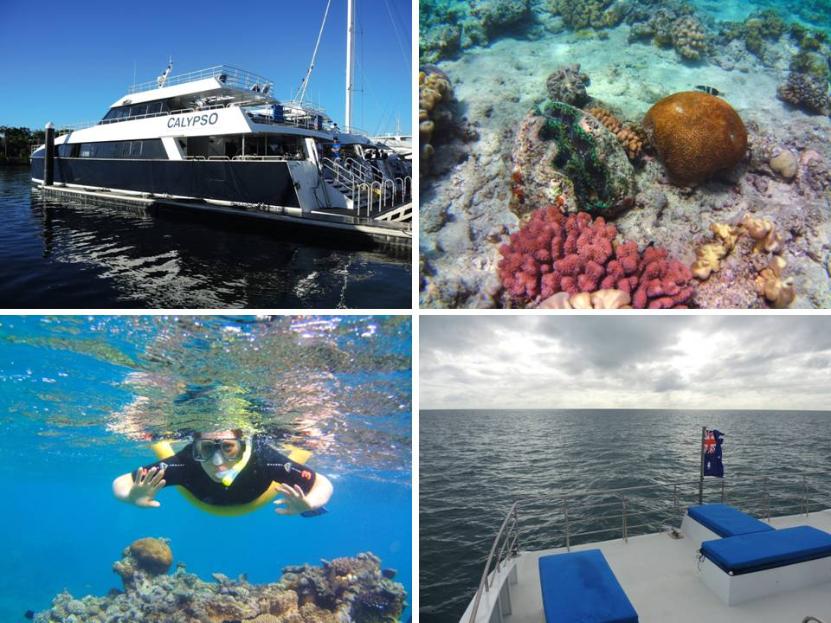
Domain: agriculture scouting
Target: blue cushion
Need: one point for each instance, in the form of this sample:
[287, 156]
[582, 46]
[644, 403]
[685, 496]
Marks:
[765, 550]
[725, 520]
[580, 587]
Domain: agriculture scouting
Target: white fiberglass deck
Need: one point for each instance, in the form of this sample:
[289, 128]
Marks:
[660, 576]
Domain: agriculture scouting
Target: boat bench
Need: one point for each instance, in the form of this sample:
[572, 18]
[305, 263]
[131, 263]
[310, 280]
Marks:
[712, 521]
[748, 566]
[580, 587]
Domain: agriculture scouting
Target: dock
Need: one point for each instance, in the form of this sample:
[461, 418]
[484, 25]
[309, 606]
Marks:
[392, 235]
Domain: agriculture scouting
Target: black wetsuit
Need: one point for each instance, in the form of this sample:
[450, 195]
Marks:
[265, 466]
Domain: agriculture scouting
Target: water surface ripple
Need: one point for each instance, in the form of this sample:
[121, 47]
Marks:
[62, 255]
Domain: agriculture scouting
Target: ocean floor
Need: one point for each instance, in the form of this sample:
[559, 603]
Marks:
[464, 209]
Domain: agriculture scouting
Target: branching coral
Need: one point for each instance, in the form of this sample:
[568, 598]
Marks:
[629, 136]
[696, 135]
[568, 84]
[556, 253]
[433, 90]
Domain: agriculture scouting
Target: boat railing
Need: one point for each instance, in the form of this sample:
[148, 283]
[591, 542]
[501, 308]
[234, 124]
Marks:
[229, 76]
[647, 508]
[505, 547]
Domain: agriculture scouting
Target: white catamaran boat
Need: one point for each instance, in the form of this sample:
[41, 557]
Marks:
[218, 136]
[715, 563]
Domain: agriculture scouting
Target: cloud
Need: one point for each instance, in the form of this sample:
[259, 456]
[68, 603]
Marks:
[687, 361]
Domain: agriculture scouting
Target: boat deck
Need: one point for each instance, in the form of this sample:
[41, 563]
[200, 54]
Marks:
[659, 575]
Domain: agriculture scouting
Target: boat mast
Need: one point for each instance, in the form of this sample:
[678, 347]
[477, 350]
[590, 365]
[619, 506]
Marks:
[350, 47]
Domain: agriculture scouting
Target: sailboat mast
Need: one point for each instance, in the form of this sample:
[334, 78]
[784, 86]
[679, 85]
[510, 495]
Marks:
[350, 47]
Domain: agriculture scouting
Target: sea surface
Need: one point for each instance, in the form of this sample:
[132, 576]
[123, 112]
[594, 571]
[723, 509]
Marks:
[79, 397]
[61, 255]
[475, 464]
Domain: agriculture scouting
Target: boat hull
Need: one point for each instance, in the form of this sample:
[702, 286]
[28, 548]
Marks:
[244, 181]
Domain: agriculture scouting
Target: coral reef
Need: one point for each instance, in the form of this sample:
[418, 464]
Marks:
[807, 92]
[696, 135]
[345, 589]
[559, 149]
[147, 556]
[785, 164]
[568, 85]
[496, 15]
[689, 38]
[759, 238]
[556, 253]
[629, 136]
[757, 31]
[434, 94]
[671, 26]
[601, 299]
[578, 14]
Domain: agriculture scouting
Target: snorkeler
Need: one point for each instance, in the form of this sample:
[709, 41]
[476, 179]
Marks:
[226, 472]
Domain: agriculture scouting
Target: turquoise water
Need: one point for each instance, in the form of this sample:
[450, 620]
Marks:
[78, 394]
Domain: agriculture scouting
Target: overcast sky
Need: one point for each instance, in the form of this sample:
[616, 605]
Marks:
[685, 362]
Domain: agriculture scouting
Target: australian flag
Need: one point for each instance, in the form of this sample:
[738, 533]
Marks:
[712, 454]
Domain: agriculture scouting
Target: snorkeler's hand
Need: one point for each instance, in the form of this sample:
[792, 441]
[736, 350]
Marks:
[292, 501]
[147, 484]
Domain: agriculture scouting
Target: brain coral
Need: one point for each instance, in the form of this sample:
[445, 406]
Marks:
[696, 135]
[152, 555]
[557, 253]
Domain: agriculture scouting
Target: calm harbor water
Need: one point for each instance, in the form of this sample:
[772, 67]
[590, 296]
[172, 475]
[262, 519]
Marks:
[58, 255]
[475, 464]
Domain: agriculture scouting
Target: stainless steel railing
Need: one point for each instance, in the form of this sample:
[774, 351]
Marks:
[227, 74]
[624, 511]
[505, 547]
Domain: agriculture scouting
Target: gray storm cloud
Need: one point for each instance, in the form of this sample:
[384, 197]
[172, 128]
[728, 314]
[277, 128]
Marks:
[693, 362]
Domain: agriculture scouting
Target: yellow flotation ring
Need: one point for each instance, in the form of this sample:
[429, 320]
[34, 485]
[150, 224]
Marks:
[164, 450]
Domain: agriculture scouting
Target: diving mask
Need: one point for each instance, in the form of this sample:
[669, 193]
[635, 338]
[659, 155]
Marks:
[206, 449]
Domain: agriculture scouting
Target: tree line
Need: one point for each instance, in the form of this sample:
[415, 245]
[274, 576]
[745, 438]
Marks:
[18, 143]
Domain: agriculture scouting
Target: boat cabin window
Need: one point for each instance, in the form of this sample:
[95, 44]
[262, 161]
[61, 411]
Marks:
[275, 146]
[120, 113]
[150, 149]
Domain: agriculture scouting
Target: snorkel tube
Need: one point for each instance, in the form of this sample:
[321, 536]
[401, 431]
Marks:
[164, 450]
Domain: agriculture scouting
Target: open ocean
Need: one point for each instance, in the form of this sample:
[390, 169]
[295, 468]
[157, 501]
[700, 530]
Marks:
[56, 255]
[78, 394]
[475, 464]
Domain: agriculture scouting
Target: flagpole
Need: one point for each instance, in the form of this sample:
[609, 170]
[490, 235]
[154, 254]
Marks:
[701, 477]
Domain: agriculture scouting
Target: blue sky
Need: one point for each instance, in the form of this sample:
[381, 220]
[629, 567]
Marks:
[67, 61]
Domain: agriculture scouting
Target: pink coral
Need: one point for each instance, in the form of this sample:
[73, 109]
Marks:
[557, 253]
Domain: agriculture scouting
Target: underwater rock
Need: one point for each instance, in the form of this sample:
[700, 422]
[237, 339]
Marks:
[696, 135]
[345, 589]
[807, 92]
[556, 253]
[560, 149]
[568, 84]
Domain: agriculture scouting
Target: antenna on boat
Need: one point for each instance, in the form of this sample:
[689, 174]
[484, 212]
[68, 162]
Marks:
[163, 78]
[301, 92]
[350, 48]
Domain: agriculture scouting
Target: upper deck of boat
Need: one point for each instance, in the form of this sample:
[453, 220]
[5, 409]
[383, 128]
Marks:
[660, 576]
